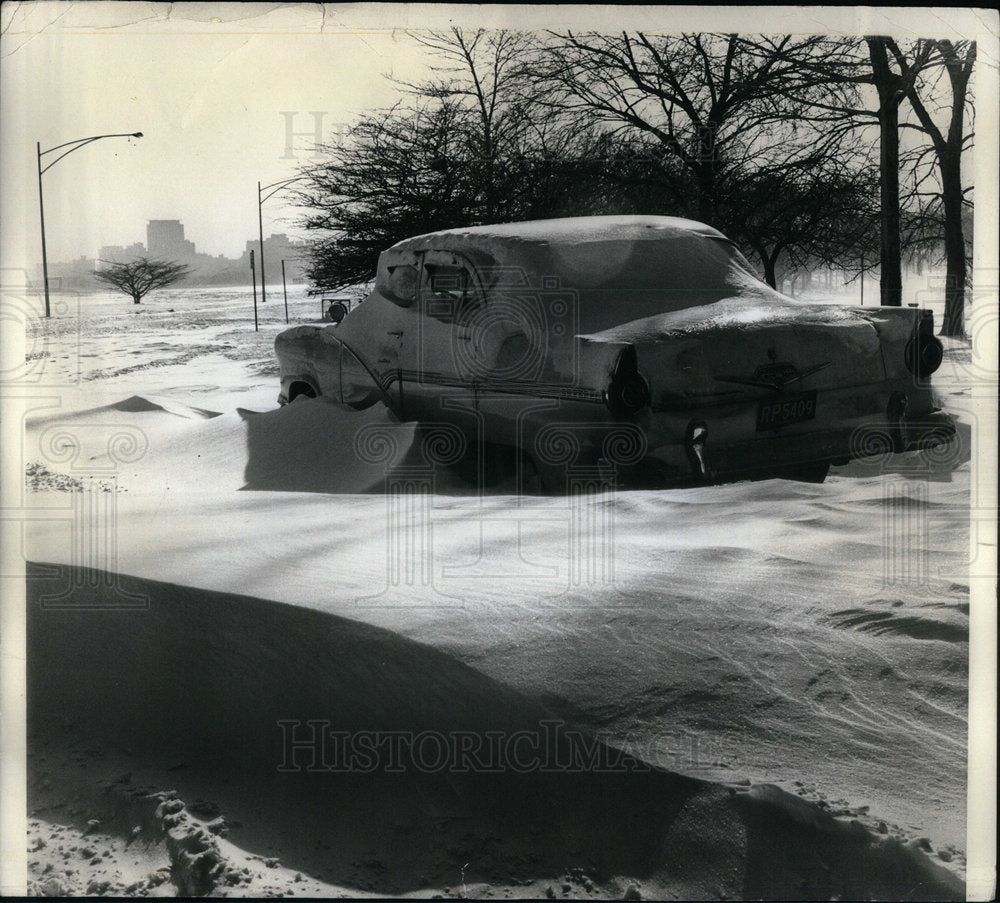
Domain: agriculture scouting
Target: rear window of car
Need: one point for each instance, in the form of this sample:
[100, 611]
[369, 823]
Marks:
[403, 282]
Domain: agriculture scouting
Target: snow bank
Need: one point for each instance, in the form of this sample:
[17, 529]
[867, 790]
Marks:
[200, 688]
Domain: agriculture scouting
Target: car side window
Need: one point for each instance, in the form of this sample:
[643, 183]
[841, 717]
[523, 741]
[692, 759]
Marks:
[448, 291]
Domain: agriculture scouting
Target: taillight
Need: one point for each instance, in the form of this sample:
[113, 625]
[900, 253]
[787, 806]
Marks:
[628, 392]
[695, 441]
[924, 351]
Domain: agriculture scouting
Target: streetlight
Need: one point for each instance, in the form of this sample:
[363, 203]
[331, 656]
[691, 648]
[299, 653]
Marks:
[72, 145]
[276, 186]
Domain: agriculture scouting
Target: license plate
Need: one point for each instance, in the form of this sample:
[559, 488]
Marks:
[786, 410]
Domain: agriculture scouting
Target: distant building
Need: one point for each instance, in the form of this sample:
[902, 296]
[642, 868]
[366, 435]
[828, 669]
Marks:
[73, 275]
[278, 247]
[119, 254]
[165, 238]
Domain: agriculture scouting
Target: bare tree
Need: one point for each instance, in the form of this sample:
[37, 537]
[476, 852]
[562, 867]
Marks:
[400, 174]
[948, 144]
[729, 112]
[480, 73]
[470, 145]
[891, 91]
[903, 78]
[140, 276]
[919, 71]
[810, 216]
[830, 94]
[757, 137]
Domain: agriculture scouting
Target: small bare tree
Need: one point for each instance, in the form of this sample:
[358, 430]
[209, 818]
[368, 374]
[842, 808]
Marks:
[142, 275]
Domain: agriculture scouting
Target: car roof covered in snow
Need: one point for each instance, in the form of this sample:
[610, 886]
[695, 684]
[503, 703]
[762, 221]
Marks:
[568, 230]
[618, 268]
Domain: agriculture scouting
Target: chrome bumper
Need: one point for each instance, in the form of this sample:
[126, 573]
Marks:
[700, 460]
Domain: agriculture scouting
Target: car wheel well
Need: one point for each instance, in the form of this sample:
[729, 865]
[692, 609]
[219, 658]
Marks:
[301, 389]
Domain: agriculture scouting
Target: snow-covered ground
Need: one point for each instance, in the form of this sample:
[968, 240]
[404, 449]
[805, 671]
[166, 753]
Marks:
[812, 637]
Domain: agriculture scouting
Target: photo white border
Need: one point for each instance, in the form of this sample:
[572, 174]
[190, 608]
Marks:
[20, 20]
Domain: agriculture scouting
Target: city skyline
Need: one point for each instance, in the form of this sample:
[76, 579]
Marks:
[165, 240]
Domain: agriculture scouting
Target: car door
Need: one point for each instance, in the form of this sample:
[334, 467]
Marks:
[437, 352]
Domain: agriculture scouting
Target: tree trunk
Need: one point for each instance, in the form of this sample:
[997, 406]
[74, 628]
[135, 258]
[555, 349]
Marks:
[891, 279]
[954, 245]
[769, 270]
[949, 158]
[887, 84]
[136, 299]
[706, 195]
[950, 165]
[769, 261]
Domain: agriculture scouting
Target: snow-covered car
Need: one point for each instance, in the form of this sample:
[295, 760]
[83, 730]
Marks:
[642, 343]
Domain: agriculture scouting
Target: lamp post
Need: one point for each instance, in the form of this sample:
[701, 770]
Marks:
[273, 189]
[284, 288]
[72, 145]
[253, 276]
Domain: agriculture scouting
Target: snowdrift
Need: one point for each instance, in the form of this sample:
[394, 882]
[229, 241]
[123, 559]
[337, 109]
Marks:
[192, 687]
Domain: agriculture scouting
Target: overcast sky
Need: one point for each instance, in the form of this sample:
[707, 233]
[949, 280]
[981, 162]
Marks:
[210, 85]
